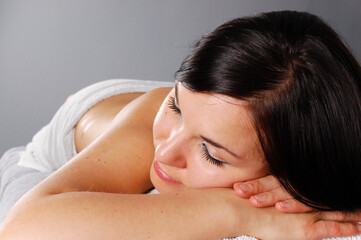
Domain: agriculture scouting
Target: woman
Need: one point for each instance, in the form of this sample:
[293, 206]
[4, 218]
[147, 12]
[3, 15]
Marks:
[261, 94]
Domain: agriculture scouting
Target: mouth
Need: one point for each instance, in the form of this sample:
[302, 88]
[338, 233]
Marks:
[162, 175]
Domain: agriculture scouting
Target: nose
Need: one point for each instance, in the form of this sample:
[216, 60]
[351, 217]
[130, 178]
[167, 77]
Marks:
[171, 150]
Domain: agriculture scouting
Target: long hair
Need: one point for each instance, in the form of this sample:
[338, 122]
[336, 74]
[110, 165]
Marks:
[302, 86]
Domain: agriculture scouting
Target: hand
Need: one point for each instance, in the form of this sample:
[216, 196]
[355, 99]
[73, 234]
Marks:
[308, 226]
[267, 191]
[268, 223]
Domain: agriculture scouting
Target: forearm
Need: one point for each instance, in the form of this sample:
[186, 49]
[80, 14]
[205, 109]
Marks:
[89, 215]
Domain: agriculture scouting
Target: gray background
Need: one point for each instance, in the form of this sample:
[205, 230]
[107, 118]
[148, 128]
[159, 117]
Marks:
[52, 48]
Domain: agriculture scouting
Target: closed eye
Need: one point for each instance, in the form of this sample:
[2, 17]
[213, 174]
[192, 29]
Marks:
[209, 158]
[173, 106]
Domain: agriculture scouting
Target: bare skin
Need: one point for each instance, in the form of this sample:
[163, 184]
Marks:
[94, 187]
[98, 118]
[267, 191]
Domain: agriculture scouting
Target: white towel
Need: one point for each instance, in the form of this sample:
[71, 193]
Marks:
[54, 144]
[358, 237]
[15, 180]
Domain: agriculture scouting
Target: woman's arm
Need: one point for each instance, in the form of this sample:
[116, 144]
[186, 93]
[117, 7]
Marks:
[81, 200]
[91, 215]
[195, 214]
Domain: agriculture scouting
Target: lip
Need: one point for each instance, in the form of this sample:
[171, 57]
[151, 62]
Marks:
[162, 175]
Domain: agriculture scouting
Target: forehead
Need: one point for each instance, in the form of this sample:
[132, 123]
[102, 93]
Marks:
[231, 108]
[220, 117]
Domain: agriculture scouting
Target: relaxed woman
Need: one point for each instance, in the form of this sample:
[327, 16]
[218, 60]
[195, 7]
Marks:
[275, 93]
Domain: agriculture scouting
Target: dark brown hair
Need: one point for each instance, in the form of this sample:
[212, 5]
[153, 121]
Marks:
[303, 89]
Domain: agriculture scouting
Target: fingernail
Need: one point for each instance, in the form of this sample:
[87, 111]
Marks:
[358, 225]
[245, 187]
[260, 197]
[284, 204]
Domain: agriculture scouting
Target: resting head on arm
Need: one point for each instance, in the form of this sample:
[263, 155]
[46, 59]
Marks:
[191, 125]
[302, 89]
[81, 200]
[291, 85]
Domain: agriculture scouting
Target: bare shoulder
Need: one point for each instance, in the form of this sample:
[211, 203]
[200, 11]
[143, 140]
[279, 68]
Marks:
[142, 109]
[98, 118]
[119, 159]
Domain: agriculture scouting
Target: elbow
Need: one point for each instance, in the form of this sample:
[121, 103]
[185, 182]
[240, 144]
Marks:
[20, 223]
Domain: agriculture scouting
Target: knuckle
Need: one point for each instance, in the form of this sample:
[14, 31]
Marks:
[358, 216]
[319, 215]
[349, 229]
[334, 228]
[276, 195]
[271, 197]
[285, 194]
[341, 216]
[256, 187]
[273, 180]
[280, 194]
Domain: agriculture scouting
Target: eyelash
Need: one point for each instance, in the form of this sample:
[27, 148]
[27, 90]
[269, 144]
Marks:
[209, 158]
[205, 152]
[172, 106]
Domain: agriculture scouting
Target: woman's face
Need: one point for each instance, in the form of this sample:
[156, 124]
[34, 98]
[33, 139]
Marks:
[204, 140]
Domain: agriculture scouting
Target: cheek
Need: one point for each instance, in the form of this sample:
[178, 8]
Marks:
[210, 180]
[205, 175]
[201, 174]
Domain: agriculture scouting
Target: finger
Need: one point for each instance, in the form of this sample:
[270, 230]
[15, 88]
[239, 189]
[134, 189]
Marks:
[292, 206]
[260, 185]
[270, 198]
[329, 229]
[70, 96]
[341, 216]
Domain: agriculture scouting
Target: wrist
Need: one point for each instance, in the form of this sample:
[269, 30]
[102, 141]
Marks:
[232, 213]
[242, 220]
